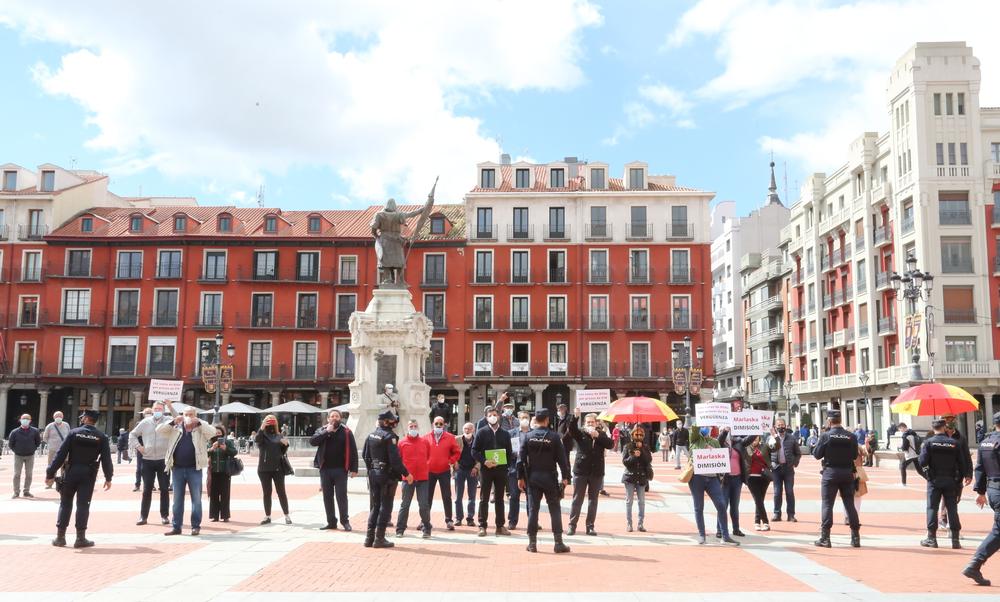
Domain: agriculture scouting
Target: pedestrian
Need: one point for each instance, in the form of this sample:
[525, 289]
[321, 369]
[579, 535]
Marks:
[337, 460]
[910, 448]
[700, 484]
[517, 436]
[536, 470]
[987, 486]
[83, 449]
[53, 436]
[153, 447]
[784, 459]
[415, 453]
[732, 483]
[681, 440]
[562, 428]
[385, 469]
[803, 434]
[492, 450]
[444, 454]
[187, 454]
[272, 466]
[638, 461]
[940, 458]
[466, 476]
[220, 451]
[871, 444]
[860, 480]
[756, 466]
[24, 442]
[665, 445]
[508, 421]
[121, 445]
[588, 469]
[837, 449]
[441, 408]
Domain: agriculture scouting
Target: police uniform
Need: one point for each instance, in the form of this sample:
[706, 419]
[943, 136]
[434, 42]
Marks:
[541, 452]
[987, 482]
[83, 449]
[940, 458]
[385, 467]
[837, 449]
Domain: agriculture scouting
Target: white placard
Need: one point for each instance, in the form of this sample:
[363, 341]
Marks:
[519, 366]
[482, 366]
[712, 414]
[713, 460]
[165, 390]
[766, 421]
[557, 366]
[745, 423]
[162, 341]
[515, 444]
[593, 400]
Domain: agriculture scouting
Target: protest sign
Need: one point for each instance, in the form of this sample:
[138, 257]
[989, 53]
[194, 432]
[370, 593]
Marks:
[593, 400]
[710, 461]
[498, 456]
[165, 390]
[766, 421]
[712, 414]
[745, 423]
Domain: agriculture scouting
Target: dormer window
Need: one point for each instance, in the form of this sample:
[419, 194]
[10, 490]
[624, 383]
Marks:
[225, 223]
[87, 224]
[48, 180]
[437, 224]
[522, 178]
[135, 223]
[557, 178]
[488, 178]
[10, 180]
[598, 179]
[180, 223]
[271, 223]
[635, 178]
[315, 223]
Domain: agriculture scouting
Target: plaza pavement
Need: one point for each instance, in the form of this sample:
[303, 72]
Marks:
[241, 560]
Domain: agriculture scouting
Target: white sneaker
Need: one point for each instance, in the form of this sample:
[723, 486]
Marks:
[756, 526]
[765, 527]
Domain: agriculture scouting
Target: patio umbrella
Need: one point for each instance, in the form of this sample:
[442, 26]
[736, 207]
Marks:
[934, 399]
[238, 407]
[294, 407]
[638, 409]
[182, 407]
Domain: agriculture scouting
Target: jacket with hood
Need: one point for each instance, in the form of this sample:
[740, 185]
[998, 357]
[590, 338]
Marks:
[155, 445]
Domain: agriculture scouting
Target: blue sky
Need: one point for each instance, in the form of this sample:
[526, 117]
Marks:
[340, 104]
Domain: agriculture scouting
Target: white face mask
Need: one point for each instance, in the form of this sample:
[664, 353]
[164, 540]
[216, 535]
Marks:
[525, 422]
[59, 420]
[589, 429]
[467, 435]
[413, 432]
[157, 415]
[25, 422]
[561, 414]
[439, 430]
[188, 420]
[492, 419]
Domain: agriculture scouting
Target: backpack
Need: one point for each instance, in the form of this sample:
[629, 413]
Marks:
[917, 441]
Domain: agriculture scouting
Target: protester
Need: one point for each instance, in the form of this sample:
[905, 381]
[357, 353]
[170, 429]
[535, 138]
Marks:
[784, 459]
[152, 447]
[638, 461]
[561, 427]
[588, 469]
[665, 445]
[860, 480]
[466, 475]
[444, 454]
[415, 452]
[187, 454]
[517, 437]
[700, 484]
[53, 436]
[272, 465]
[24, 442]
[680, 444]
[442, 409]
[756, 466]
[121, 445]
[220, 450]
[337, 460]
[493, 475]
[732, 483]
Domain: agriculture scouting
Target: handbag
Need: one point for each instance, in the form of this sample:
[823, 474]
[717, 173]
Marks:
[686, 474]
[286, 466]
[234, 466]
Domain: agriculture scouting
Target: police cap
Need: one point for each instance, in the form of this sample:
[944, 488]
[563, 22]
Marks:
[996, 418]
[542, 414]
[833, 414]
[92, 414]
[387, 415]
[938, 423]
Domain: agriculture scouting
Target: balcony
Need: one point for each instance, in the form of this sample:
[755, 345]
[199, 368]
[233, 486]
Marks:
[641, 321]
[959, 316]
[798, 313]
[599, 275]
[812, 344]
[520, 233]
[887, 325]
[758, 338]
[824, 263]
[862, 284]
[798, 278]
[954, 217]
[773, 364]
[680, 231]
[811, 307]
[828, 341]
[208, 320]
[93, 319]
[284, 321]
[4, 232]
[971, 369]
[163, 318]
[827, 301]
[555, 232]
[32, 231]
[132, 271]
[558, 276]
[838, 298]
[907, 224]
[125, 319]
[883, 281]
[600, 322]
[637, 275]
[845, 255]
[638, 231]
[859, 244]
[882, 236]
[681, 275]
[993, 169]
[863, 331]
[275, 274]
[483, 233]
[953, 171]
[598, 231]
[682, 321]
[481, 276]
[798, 349]
[767, 305]
[434, 281]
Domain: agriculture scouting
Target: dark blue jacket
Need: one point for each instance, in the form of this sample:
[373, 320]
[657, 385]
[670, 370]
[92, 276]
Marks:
[486, 439]
[24, 441]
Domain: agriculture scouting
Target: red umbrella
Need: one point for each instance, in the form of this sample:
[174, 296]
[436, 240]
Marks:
[638, 409]
[934, 399]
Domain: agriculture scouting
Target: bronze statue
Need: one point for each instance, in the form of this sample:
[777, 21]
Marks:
[387, 227]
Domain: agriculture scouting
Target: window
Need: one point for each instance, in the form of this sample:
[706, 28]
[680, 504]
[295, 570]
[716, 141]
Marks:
[521, 226]
[482, 354]
[10, 180]
[225, 223]
[87, 224]
[315, 223]
[260, 360]
[180, 223]
[135, 223]
[639, 313]
[557, 222]
[960, 349]
[948, 104]
[638, 228]
[265, 265]
[488, 178]
[305, 360]
[434, 309]
[48, 180]
[951, 153]
[344, 359]
[557, 313]
[520, 359]
[346, 304]
[271, 223]
[78, 263]
[598, 222]
[211, 310]
[72, 356]
[953, 208]
[306, 314]
[434, 364]
[680, 266]
[166, 308]
[519, 313]
[960, 103]
[215, 265]
[963, 153]
[635, 179]
[29, 312]
[638, 262]
[161, 360]
[557, 266]
[959, 305]
[599, 319]
[995, 151]
[349, 270]
[640, 359]
[261, 309]
[937, 103]
[484, 313]
[522, 178]
[76, 306]
[307, 266]
[557, 178]
[122, 360]
[129, 265]
[679, 221]
[25, 358]
[484, 267]
[127, 308]
[599, 265]
[519, 267]
[956, 255]
[437, 225]
[599, 359]
[434, 269]
[484, 223]
[32, 270]
[680, 312]
[939, 149]
[597, 179]
[557, 359]
[169, 264]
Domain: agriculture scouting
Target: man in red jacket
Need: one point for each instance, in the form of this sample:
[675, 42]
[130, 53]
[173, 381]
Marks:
[444, 455]
[415, 452]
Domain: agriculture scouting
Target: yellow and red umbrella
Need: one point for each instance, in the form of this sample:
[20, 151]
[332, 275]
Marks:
[934, 399]
[638, 409]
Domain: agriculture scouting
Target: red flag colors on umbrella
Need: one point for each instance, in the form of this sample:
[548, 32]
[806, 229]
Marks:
[934, 399]
[638, 409]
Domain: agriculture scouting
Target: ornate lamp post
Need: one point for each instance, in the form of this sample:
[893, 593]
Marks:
[913, 285]
[683, 368]
[207, 357]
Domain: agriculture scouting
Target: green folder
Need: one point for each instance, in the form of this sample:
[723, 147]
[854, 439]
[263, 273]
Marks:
[498, 456]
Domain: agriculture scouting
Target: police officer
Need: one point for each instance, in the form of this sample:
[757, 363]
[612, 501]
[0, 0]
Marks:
[385, 468]
[541, 451]
[837, 449]
[987, 485]
[83, 448]
[940, 459]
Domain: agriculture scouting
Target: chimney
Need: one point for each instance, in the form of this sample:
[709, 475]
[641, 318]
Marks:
[574, 168]
[505, 159]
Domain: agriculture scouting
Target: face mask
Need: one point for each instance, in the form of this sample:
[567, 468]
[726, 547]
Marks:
[157, 415]
[492, 419]
[589, 429]
[467, 435]
[508, 412]
[525, 422]
[561, 414]
[25, 422]
[188, 420]
[439, 430]
[413, 432]
[782, 430]
[705, 431]
[58, 420]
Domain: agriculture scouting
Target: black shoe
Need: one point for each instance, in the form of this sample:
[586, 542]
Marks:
[738, 533]
[347, 527]
[214, 519]
[591, 531]
[972, 571]
[718, 534]
[173, 532]
[140, 522]
[824, 539]
[956, 540]
[532, 544]
[81, 540]
[482, 532]
[328, 527]
[571, 530]
[369, 538]
[60, 540]
[426, 535]
[511, 526]
[501, 530]
[225, 520]
[855, 538]
[28, 494]
[930, 541]
[380, 540]
[776, 518]
[604, 493]
[266, 521]
[792, 519]
[560, 547]
[196, 532]
[134, 489]
[449, 525]
[730, 541]
[469, 522]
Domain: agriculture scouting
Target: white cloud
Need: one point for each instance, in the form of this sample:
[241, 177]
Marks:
[666, 97]
[668, 104]
[234, 90]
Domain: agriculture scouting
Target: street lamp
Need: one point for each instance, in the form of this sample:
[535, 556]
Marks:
[768, 381]
[217, 360]
[865, 389]
[682, 358]
[913, 285]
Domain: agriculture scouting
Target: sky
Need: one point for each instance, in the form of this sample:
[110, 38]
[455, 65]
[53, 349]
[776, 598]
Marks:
[339, 104]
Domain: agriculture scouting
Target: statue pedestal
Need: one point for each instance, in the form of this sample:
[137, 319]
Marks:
[390, 341]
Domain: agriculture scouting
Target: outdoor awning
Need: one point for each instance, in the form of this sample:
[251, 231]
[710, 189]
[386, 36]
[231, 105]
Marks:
[238, 407]
[294, 407]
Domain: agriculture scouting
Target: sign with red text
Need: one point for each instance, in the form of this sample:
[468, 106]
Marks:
[593, 400]
[712, 414]
[745, 423]
[713, 460]
[165, 390]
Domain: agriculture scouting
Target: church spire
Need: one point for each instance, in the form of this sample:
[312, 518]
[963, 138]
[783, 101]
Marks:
[772, 196]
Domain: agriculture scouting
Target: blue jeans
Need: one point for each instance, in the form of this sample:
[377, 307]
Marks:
[465, 481]
[731, 487]
[784, 479]
[418, 488]
[699, 486]
[189, 478]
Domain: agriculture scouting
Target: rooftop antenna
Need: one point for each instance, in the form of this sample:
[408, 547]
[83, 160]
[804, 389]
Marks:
[260, 196]
[72, 162]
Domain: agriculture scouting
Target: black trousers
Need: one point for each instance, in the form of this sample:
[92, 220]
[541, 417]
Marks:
[758, 491]
[154, 469]
[589, 488]
[442, 480]
[78, 483]
[218, 495]
[947, 490]
[490, 479]
[334, 484]
[837, 481]
[904, 464]
[381, 492]
[991, 543]
[278, 478]
[138, 468]
[550, 491]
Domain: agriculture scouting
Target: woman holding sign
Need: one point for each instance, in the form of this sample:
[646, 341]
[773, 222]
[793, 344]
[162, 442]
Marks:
[710, 483]
[638, 461]
[757, 472]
